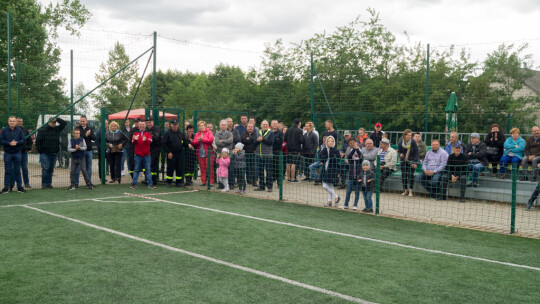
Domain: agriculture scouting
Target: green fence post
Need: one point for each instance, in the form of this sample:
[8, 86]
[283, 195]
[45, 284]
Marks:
[280, 176]
[102, 147]
[377, 184]
[208, 168]
[9, 61]
[514, 191]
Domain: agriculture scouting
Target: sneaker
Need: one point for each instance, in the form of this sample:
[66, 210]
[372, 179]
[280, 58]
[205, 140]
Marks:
[243, 191]
[224, 190]
[354, 208]
[258, 189]
[269, 190]
[365, 210]
[27, 186]
[76, 186]
[123, 173]
[295, 181]
[342, 207]
[152, 187]
[289, 180]
[370, 210]
[21, 190]
[133, 186]
[239, 192]
[90, 187]
[337, 200]
[328, 204]
[72, 187]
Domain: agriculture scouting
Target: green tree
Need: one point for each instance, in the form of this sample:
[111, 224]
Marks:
[34, 28]
[117, 93]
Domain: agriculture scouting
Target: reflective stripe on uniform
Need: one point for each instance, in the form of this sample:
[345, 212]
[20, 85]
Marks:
[168, 177]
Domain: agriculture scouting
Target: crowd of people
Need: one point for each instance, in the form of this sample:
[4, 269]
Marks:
[247, 153]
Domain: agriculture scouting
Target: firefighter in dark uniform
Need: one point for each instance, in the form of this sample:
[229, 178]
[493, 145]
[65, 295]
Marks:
[155, 148]
[131, 151]
[174, 142]
[190, 157]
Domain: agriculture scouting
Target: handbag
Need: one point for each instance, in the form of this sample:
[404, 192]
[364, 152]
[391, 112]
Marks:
[492, 151]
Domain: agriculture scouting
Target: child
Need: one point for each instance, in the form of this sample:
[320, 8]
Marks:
[238, 159]
[77, 147]
[367, 180]
[355, 169]
[329, 157]
[223, 171]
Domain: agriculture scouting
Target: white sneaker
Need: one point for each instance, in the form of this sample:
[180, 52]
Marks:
[123, 173]
[354, 208]
[225, 190]
[342, 207]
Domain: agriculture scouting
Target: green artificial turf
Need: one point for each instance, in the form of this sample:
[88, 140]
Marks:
[51, 260]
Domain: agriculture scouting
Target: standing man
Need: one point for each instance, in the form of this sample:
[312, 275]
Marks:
[125, 149]
[242, 127]
[131, 150]
[174, 143]
[276, 147]
[155, 149]
[48, 144]
[265, 144]
[376, 136]
[24, 154]
[142, 141]
[98, 145]
[294, 139]
[88, 135]
[311, 142]
[12, 138]
[330, 131]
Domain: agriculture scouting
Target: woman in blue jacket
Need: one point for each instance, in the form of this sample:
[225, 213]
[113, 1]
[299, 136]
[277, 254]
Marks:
[329, 157]
[513, 151]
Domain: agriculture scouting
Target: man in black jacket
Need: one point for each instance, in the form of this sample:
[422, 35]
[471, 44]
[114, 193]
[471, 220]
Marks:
[457, 171]
[48, 145]
[294, 139]
[98, 145]
[276, 149]
[476, 153]
[311, 142]
[376, 136]
[88, 135]
[155, 148]
[174, 143]
[249, 140]
[27, 147]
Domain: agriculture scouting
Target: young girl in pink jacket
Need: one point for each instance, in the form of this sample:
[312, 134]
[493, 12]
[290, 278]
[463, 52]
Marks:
[223, 169]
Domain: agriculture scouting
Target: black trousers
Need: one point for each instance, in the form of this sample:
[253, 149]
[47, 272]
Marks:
[154, 164]
[115, 165]
[174, 165]
[131, 161]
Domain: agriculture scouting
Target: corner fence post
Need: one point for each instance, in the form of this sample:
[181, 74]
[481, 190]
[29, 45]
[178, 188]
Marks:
[280, 175]
[514, 192]
[208, 169]
[102, 146]
[377, 184]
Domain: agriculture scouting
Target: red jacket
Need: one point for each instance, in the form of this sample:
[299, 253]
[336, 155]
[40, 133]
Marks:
[142, 148]
[208, 139]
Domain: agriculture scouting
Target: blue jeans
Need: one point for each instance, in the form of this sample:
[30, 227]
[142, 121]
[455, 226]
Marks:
[476, 168]
[124, 158]
[13, 169]
[265, 163]
[353, 183]
[368, 201]
[88, 157]
[434, 184]
[313, 170]
[251, 167]
[24, 168]
[47, 168]
[145, 161]
[507, 159]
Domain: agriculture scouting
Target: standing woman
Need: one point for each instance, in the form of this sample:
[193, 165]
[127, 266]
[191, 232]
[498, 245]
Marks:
[495, 147]
[409, 157]
[115, 141]
[329, 157]
[202, 141]
[514, 147]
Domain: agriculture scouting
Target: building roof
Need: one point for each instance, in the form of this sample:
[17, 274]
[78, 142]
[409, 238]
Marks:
[533, 82]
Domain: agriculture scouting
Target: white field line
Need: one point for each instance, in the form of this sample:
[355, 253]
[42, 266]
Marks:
[346, 234]
[203, 257]
[89, 199]
[123, 202]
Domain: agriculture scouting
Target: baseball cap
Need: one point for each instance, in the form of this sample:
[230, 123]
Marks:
[347, 132]
[378, 124]
[174, 122]
[386, 141]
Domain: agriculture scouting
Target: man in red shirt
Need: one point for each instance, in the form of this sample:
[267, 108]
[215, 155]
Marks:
[141, 140]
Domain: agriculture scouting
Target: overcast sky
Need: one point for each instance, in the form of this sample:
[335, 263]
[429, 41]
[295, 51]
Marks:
[248, 25]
